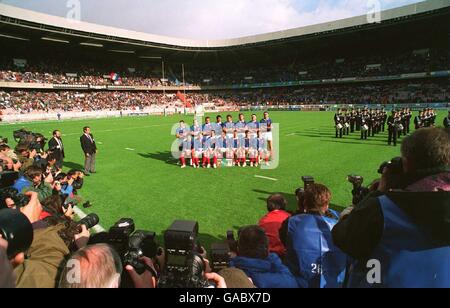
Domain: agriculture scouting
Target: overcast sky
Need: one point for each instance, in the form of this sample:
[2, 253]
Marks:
[208, 19]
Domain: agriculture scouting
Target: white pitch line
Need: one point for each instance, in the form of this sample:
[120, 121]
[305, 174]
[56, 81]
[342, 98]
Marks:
[82, 214]
[130, 149]
[121, 129]
[266, 178]
[293, 134]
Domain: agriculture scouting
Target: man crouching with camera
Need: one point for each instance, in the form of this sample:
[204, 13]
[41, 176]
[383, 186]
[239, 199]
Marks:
[400, 233]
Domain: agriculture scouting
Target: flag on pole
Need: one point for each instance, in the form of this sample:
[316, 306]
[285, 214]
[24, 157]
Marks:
[183, 98]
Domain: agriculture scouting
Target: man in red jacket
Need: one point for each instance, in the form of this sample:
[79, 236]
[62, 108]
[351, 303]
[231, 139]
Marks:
[271, 223]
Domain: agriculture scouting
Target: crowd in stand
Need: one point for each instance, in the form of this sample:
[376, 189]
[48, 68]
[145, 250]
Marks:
[385, 93]
[315, 247]
[95, 73]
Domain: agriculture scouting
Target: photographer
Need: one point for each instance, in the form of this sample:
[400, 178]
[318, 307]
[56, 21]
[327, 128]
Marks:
[25, 155]
[78, 178]
[271, 223]
[63, 185]
[8, 163]
[405, 223]
[311, 255]
[101, 267]
[6, 273]
[38, 184]
[53, 239]
[265, 269]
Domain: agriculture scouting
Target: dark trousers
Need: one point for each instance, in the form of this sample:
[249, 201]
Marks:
[392, 136]
[339, 133]
[363, 134]
[352, 127]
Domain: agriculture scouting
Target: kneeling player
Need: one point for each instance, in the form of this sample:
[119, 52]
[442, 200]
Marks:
[253, 152]
[197, 151]
[186, 151]
[264, 152]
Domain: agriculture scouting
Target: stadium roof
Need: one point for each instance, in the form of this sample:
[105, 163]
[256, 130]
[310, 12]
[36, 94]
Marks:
[62, 28]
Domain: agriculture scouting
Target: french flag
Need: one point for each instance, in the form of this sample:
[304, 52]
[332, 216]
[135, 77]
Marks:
[115, 77]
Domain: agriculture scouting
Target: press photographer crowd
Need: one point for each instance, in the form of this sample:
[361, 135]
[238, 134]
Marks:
[400, 222]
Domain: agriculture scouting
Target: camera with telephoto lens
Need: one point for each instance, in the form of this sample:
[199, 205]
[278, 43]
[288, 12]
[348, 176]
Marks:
[89, 221]
[19, 199]
[184, 265]
[17, 230]
[35, 141]
[220, 256]
[358, 192]
[307, 181]
[141, 244]
[130, 245]
[395, 166]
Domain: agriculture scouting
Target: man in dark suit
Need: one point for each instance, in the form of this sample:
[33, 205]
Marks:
[57, 147]
[90, 150]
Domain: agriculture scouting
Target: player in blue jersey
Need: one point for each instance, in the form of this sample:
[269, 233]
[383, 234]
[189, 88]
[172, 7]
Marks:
[218, 126]
[196, 129]
[197, 150]
[181, 133]
[240, 152]
[253, 126]
[186, 151]
[253, 151]
[263, 150]
[241, 127]
[207, 128]
[229, 127]
[266, 129]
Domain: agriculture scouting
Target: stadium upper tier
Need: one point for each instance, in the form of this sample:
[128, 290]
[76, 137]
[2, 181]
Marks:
[65, 28]
[43, 70]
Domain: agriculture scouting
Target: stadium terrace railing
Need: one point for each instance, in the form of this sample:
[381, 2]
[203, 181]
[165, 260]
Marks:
[42, 86]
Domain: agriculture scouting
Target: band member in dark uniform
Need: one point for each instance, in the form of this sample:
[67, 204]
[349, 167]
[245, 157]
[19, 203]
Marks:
[404, 120]
[418, 120]
[347, 123]
[399, 121]
[384, 118]
[408, 120]
[392, 128]
[358, 120]
[339, 123]
[447, 121]
[364, 125]
[369, 122]
[352, 120]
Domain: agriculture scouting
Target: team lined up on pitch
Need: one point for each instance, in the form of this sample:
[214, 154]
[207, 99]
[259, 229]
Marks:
[226, 144]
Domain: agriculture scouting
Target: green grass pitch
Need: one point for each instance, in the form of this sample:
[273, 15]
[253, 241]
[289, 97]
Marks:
[148, 186]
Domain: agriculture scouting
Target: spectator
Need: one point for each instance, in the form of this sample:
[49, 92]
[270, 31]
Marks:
[271, 223]
[311, 255]
[405, 224]
[265, 269]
